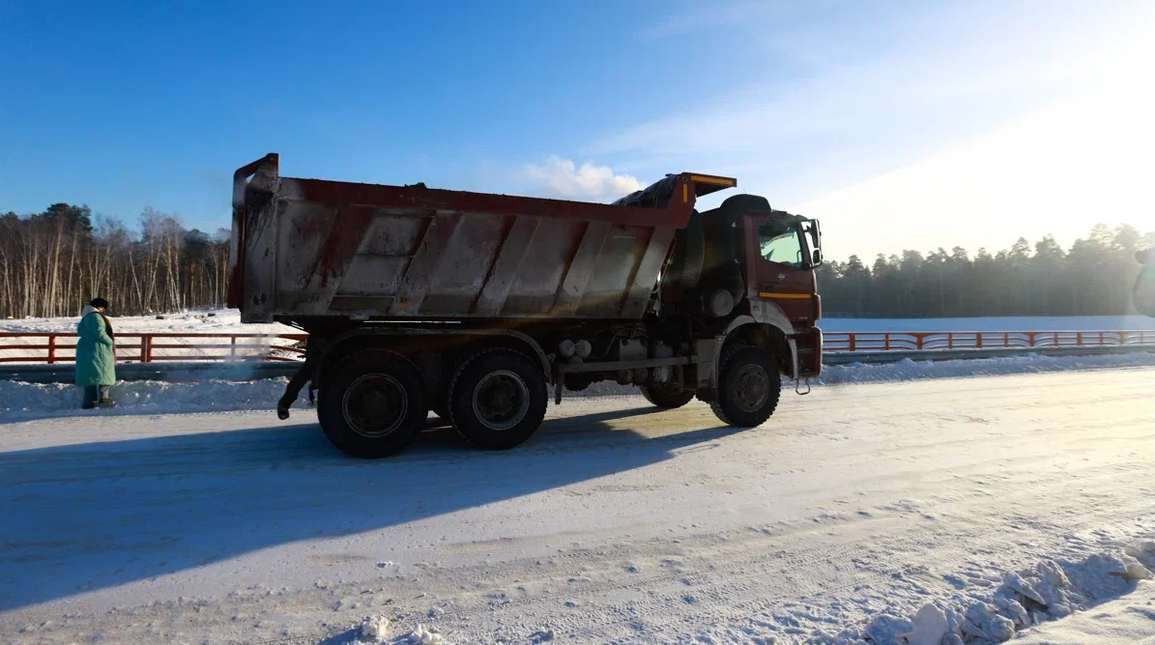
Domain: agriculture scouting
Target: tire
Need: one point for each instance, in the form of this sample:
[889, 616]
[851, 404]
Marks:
[748, 388]
[373, 405]
[497, 399]
[667, 397]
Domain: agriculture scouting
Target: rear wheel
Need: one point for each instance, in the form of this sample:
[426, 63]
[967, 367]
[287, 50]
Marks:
[373, 406]
[749, 387]
[497, 399]
[667, 395]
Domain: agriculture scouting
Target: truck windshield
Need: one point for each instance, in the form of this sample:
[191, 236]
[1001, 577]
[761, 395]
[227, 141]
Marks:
[780, 243]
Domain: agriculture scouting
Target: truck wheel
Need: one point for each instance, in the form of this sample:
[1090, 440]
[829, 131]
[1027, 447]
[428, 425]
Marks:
[748, 388]
[666, 395]
[497, 399]
[373, 405]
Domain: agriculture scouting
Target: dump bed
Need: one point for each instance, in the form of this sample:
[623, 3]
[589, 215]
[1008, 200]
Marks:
[307, 248]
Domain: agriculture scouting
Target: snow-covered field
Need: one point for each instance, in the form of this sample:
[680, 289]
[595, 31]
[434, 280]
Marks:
[229, 320]
[994, 323]
[222, 321]
[977, 506]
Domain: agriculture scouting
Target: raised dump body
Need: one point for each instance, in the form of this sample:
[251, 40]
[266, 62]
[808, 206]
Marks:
[473, 305]
[310, 248]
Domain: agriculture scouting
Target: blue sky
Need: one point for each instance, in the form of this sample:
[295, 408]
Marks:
[887, 119]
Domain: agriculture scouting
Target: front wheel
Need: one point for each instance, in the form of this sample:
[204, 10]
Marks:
[373, 406]
[667, 395]
[497, 399]
[749, 387]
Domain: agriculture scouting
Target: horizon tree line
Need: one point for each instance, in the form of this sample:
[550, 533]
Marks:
[52, 263]
[55, 261]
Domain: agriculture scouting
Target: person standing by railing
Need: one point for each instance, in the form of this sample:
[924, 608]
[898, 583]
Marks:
[95, 355]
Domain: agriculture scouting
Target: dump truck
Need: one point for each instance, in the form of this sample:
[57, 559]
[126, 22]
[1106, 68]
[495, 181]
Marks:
[474, 305]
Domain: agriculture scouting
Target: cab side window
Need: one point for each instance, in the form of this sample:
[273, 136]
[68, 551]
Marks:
[780, 243]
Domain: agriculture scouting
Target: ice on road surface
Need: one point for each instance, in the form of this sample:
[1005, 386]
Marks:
[840, 519]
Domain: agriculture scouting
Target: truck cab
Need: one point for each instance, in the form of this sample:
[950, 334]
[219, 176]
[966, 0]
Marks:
[745, 263]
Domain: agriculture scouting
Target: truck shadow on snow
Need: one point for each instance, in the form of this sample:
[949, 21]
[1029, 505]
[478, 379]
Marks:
[83, 517]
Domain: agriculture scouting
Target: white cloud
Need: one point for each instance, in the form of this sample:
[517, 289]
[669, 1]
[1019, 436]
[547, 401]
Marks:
[560, 177]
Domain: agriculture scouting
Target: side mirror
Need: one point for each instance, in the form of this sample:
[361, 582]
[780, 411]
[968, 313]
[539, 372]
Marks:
[817, 258]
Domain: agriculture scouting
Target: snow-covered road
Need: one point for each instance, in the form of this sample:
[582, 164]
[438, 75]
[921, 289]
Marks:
[617, 523]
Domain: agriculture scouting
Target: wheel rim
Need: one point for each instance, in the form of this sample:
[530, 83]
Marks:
[751, 387]
[501, 400]
[374, 405]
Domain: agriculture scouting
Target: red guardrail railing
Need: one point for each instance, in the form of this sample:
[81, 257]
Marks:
[145, 348]
[885, 341]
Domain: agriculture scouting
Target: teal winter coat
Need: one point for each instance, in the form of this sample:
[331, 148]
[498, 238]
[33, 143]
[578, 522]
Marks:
[95, 360]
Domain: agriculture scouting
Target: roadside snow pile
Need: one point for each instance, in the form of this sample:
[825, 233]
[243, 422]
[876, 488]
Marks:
[374, 630]
[422, 636]
[1128, 620]
[980, 615]
[908, 370]
[19, 400]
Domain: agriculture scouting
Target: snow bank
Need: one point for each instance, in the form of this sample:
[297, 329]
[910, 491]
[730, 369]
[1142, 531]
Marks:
[1129, 620]
[20, 400]
[994, 614]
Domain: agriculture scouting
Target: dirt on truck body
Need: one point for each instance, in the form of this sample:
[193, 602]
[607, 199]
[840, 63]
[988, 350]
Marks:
[475, 305]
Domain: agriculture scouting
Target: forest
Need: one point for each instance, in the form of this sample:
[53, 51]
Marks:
[1094, 277]
[52, 263]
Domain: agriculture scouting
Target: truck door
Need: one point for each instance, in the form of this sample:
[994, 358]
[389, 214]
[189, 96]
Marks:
[778, 266]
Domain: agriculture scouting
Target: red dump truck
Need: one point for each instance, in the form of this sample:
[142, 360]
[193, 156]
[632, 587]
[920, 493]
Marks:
[474, 305]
